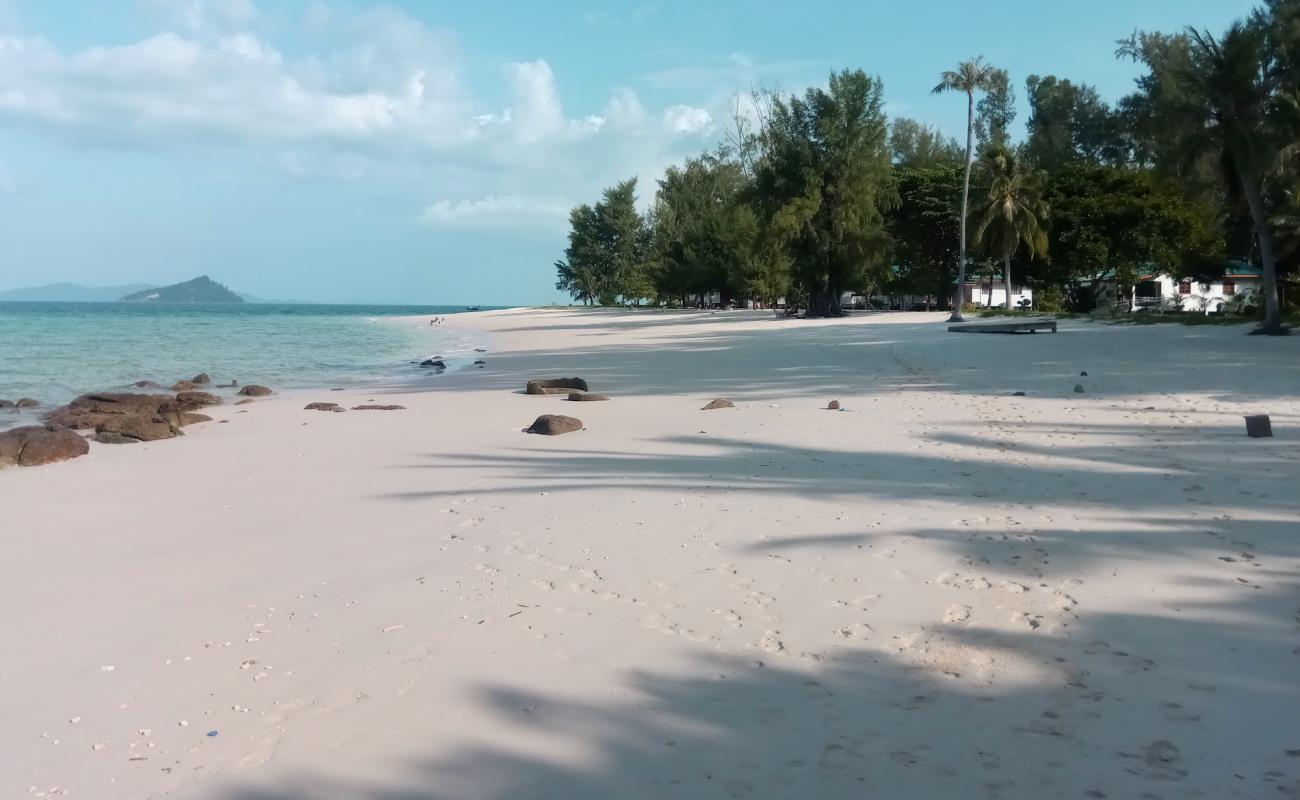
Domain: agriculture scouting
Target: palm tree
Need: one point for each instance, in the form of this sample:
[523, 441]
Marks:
[1235, 103]
[1014, 212]
[969, 77]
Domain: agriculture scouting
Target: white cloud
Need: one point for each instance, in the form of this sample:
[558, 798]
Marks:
[688, 120]
[535, 110]
[497, 211]
[203, 16]
[624, 111]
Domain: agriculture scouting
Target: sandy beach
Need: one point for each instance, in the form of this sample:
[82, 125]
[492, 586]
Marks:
[942, 590]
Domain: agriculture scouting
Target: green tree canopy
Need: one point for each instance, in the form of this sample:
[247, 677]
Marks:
[823, 185]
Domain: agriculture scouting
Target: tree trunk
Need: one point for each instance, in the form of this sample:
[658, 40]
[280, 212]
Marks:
[1272, 311]
[824, 303]
[965, 203]
[1006, 279]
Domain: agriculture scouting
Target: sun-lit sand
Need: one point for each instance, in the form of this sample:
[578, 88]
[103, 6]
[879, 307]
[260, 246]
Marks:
[943, 590]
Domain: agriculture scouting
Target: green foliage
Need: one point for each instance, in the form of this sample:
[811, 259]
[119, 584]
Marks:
[914, 144]
[608, 244]
[822, 184]
[995, 112]
[925, 226]
[1114, 222]
[1070, 123]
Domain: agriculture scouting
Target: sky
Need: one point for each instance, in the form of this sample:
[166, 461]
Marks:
[428, 153]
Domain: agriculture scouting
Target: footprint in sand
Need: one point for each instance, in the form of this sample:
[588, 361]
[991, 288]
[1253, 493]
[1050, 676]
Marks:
[957, 613]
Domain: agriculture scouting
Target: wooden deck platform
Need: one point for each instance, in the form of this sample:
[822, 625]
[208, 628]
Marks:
[1013, 326]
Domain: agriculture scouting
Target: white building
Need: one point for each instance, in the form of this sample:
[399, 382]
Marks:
[978, 293]
[1163, 291]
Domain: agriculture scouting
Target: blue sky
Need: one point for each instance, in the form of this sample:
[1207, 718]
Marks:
[416, 152]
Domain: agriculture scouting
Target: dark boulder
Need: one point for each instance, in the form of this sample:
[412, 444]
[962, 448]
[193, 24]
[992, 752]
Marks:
[323, 407]
[586, 396]
[201, 379]
[253, 390]
[554, 425]
[378, 407]
[7, 404]
[37, 445]
[189, 401]
[147, 385]
[89, 410]
[184, 386]
[719, 403]
[190, 418]
[27, 402]
[554, 385]
[437, 363]
[833, 405]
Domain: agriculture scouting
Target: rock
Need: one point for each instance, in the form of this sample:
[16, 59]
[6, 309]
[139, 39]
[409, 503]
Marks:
[833, 405]
[480, 350]
[554, 385]
[90, 410]
[109, 437]
[27, 402]
[586, 396]
[184, 386]
[323, 407]
[1078, 388]
[201, 379]
[146, 385]
[479, 363]
[1258, 426]
[37, 445]
[433, 362]
[253, 390]
[7, 404]
[554, 425]
[1017, 394]
[232, 385]
[719, 403]
[190, 418]
[244, 402]
[1083, 374]
[189, 401]
[375, 407]
[142, 427]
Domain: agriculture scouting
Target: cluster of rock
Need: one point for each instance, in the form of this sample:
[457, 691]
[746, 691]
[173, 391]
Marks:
[112, 418]
[22, 402]
[575, 389]
[120, 418]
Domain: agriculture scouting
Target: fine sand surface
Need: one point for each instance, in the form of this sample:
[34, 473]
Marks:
[941, 591]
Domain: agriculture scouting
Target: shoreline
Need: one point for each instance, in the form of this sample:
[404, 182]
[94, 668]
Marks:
[769, 600]
[462, 358]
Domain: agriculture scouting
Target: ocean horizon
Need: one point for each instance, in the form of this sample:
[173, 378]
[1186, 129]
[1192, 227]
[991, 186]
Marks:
[55, 351]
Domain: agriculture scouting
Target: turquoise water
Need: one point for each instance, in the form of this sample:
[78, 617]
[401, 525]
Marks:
[56, 351]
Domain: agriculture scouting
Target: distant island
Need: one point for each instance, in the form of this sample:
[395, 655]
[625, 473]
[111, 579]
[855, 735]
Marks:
[199, 290]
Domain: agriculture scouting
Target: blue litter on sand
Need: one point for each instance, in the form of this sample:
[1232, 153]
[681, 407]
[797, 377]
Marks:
[212, 733]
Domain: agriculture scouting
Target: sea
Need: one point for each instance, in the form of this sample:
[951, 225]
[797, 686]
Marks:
[55, 351]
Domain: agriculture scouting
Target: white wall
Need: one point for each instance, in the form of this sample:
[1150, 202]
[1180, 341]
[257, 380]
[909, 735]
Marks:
[1206, 296]
[979, 294]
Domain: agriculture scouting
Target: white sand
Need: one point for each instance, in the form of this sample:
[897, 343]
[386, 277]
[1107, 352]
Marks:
[943, 591]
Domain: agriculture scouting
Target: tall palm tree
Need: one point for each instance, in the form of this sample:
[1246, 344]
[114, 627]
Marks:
[969, 77]
[1014, 213]
[1236, 97]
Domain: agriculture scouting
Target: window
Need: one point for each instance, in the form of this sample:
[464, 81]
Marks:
[1229, 287]
[1185, 287]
